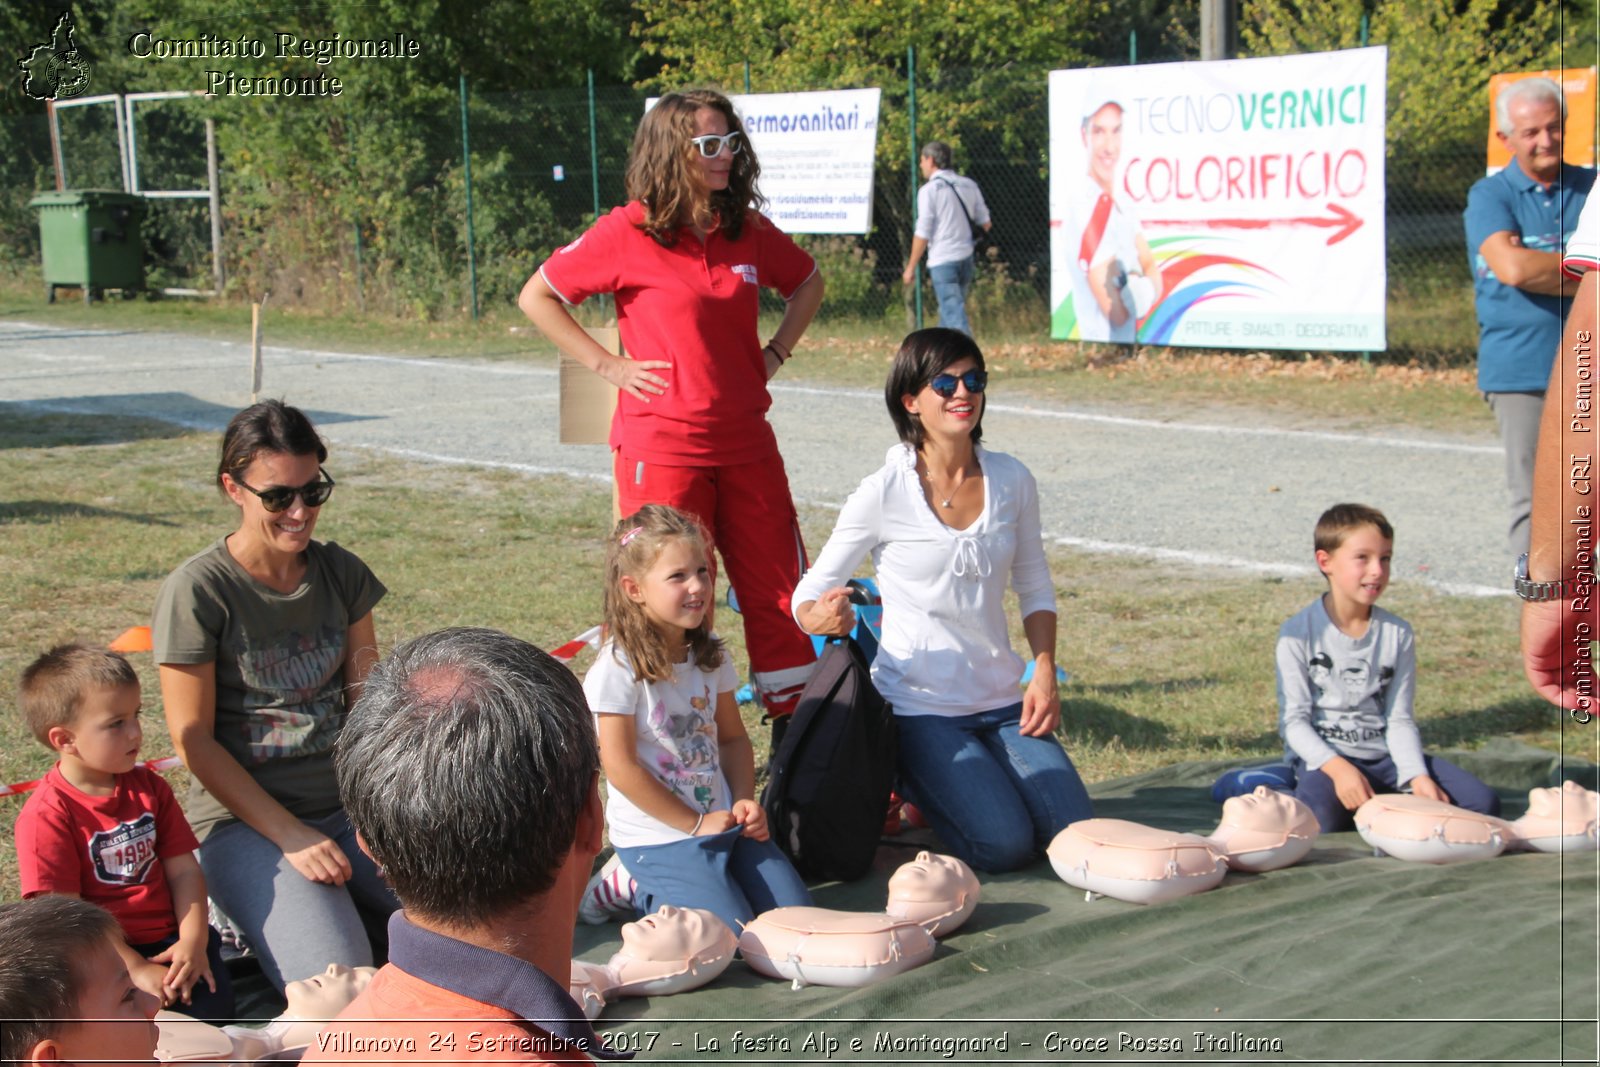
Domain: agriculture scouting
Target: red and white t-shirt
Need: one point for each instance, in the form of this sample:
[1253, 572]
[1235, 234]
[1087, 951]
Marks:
[694, 305]
[1583, 247]
[107, 850]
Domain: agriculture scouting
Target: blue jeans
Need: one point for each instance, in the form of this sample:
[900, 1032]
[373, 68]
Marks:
[1315, 789]
[994, 796]
[951, 281]
[732, 876]
[296, 926]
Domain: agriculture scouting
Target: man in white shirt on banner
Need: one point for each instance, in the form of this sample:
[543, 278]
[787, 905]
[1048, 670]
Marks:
[1115, 278]
[949, 208]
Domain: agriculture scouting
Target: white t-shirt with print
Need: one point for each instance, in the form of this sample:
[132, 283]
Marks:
[675, 733]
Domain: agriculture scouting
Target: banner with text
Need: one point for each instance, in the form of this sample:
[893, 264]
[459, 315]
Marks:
[1231, 204]
[816, 156]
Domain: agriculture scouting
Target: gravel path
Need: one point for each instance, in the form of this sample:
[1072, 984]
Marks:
[1212, 494]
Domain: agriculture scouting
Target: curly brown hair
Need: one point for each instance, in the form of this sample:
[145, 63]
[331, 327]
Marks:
[632, 550]
[663, 176]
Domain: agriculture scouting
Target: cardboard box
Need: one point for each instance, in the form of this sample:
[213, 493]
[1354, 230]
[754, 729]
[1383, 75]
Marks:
[587, 400]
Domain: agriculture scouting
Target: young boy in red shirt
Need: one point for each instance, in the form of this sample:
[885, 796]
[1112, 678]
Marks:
[102, 829]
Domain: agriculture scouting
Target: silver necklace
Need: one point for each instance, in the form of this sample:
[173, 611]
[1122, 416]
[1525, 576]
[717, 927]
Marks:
[944, 501]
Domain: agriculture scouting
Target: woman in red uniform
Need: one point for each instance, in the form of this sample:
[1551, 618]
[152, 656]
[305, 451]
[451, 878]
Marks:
[686, 259]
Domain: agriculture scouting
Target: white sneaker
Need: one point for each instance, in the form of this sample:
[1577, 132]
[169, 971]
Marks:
[609, 894]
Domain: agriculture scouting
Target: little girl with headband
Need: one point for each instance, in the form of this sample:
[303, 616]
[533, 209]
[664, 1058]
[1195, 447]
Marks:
[680, 768]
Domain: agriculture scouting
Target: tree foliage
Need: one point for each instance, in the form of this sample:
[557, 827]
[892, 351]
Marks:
[979, 65]
[1441, 54]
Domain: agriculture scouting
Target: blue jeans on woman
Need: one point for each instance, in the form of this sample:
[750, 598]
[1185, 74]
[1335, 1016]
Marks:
[995, 797]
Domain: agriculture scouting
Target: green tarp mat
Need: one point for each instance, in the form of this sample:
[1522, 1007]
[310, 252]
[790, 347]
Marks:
[1344, 958]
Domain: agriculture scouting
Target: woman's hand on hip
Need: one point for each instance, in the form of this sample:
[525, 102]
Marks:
[634, 377]
[315, 855]
[831, 613]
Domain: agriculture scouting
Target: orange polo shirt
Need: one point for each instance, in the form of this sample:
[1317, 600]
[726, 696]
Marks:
[400, 1019]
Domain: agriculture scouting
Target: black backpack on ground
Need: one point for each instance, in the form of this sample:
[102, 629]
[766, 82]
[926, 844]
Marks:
[828, 789]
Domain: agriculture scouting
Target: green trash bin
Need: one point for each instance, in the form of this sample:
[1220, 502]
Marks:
[91, 240]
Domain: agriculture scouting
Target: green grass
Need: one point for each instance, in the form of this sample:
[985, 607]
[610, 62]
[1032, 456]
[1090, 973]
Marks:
[1168, 663]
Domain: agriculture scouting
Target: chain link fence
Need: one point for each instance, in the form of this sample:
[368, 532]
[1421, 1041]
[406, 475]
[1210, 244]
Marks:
[373, 214]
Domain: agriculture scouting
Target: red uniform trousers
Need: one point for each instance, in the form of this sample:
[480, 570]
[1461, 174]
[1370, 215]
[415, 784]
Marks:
[749, 516]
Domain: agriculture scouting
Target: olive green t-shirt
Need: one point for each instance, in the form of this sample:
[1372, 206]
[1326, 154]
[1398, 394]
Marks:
[280, 668]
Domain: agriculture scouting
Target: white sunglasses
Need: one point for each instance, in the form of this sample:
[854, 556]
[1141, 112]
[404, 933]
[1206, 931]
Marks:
[711, 144]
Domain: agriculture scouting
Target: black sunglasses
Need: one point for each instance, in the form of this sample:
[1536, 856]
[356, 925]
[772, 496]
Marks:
[945, 384]
[279, 497]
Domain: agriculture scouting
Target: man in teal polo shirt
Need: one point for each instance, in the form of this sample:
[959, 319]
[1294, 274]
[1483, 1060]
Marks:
[1517, 222]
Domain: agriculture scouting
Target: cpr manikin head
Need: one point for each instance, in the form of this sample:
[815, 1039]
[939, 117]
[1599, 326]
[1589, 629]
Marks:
[1574, 805]
[937, 891]
[670, 951]
[312, 1002]
[1264, 830]
[322, 996]
[1562, 819]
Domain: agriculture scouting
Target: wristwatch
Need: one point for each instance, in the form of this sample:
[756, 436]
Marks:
[1528, 589]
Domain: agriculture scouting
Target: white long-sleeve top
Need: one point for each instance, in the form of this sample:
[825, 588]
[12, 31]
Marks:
[945, 648]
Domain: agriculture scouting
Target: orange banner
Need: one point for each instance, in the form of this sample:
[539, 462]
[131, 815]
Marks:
[1578, 85]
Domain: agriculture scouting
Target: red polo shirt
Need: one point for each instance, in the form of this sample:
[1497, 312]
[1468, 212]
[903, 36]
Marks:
[694, 305]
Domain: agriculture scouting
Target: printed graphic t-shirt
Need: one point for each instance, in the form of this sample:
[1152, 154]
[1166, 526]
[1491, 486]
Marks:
[280, 667]
[107, 850]
[1348, 696]
[675, 731]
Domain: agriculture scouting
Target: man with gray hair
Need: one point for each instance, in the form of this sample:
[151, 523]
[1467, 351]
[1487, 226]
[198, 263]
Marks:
[949, 208]
[1517, 222]
[471, 772]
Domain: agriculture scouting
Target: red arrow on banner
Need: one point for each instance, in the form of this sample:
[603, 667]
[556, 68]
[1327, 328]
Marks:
[1341, 219]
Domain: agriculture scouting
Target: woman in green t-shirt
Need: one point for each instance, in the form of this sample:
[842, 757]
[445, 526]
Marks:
[263, 640]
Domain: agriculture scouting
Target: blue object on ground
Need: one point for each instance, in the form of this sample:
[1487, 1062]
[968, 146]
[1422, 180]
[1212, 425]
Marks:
[1242, 780]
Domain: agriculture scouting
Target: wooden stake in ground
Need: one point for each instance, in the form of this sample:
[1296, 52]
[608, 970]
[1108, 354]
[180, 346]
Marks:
[255, 346]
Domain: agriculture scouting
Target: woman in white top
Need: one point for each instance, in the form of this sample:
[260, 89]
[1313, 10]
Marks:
[947, 523]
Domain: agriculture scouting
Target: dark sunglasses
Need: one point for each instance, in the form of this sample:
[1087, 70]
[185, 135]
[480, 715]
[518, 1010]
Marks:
[711, 144]
[945, 384]
[279, 497]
